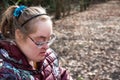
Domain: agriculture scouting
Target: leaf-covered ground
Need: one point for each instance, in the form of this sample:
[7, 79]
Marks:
[88, 42]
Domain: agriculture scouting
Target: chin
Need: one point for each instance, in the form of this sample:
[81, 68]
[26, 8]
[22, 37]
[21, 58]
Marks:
[41, 59]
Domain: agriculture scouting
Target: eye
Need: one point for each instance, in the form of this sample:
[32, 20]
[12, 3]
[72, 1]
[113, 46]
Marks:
[40, 39]
[40, 43]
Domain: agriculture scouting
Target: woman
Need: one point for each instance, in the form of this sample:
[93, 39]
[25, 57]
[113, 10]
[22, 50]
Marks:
[25, 52]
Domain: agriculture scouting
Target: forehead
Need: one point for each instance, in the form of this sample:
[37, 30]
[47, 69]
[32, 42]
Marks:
[42, 27]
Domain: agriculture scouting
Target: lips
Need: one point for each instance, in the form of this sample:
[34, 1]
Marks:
[42, 53]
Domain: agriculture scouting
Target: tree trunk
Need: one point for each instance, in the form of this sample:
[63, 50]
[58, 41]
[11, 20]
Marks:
[58, 9]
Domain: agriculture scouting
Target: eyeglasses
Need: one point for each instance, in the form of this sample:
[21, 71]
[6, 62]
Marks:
[39, 44]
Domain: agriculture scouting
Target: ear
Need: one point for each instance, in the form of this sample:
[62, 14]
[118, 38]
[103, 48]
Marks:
[18, 34]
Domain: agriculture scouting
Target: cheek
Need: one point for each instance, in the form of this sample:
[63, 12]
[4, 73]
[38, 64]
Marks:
[30, 47]
[31, 51]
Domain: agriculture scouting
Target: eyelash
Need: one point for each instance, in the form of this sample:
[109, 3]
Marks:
[41, 43]
[40, 40]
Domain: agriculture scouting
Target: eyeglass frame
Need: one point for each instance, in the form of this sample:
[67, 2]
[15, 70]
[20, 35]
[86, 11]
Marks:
[42, 43]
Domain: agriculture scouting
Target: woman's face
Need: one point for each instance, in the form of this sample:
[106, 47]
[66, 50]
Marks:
[29, 47]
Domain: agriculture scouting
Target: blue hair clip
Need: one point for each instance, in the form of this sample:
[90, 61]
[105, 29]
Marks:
[19, 10]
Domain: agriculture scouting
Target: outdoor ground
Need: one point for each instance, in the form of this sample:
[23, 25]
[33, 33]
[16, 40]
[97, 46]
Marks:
[88, 43]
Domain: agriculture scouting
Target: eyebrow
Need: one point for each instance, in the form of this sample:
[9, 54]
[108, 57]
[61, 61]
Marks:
[43, 37]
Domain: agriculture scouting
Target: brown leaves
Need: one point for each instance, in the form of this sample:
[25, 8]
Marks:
[89, 42]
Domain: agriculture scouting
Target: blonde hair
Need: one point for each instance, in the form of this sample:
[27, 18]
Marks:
[10, 23]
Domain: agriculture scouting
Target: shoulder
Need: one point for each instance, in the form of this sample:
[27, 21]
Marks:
[4, 44]
[51, 55]
[10, 72]
[51, 62]
[6, 71]
[52, 58]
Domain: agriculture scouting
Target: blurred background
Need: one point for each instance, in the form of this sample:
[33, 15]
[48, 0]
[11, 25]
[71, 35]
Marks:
[88, 35]
[59, 8]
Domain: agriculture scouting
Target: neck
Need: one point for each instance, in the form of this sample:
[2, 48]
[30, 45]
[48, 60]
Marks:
[33, 64]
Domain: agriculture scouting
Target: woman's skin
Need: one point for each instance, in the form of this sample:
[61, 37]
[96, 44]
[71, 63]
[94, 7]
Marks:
[28, 47]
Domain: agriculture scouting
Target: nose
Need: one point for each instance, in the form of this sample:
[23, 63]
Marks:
[45, 46]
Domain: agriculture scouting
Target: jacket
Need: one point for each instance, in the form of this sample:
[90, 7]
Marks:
[14, 65]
